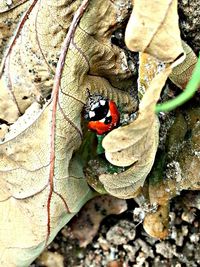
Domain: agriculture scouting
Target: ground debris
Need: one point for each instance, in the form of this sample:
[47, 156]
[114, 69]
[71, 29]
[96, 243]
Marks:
[122, 242]
[121, 233]
[51, 259]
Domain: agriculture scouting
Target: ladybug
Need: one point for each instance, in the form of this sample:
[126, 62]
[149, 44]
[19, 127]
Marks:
[101, 113]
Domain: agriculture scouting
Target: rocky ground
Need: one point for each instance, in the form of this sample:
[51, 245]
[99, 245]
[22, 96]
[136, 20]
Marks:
[121, 241]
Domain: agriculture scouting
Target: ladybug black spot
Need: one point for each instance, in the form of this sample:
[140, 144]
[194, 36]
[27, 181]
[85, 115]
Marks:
[100, 112]
[108, 120]
[98, 106]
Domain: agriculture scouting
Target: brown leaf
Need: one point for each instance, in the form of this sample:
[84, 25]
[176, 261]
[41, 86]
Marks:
[183, 156]
[3, 130]
[182, 73]
[181, 169]
[42, 184]
[7, 5]
[10, 15]
[8, 108]
[156, 224]
[134, 145]
[153, 28]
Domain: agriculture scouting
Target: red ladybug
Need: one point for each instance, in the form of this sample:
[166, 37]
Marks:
[102, 114]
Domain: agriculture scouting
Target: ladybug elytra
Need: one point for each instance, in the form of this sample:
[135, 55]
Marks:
[101, 113]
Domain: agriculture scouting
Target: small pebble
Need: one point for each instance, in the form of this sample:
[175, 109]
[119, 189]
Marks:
[51, 259]
[103, 243]
[188, 216]
[121, 233]
[9, 2]
[194, 238]
[115, 263]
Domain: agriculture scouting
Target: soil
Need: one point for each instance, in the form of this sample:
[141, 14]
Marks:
[122, 242]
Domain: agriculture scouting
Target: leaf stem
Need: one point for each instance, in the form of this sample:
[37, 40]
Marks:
[189, 91]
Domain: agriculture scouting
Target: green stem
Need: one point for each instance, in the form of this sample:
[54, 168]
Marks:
[189, 91]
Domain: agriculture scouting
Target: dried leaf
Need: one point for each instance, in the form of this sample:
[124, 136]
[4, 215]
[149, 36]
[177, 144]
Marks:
[26, 199]
[7, 5]
[181, 74]
[156, 224]
[153, 28]
[10, 14]
[183, 157]
[8, 108]
[42, 184]
[149, 67]
[181, 168]
[3, 130]
[134, 144]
